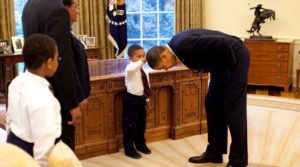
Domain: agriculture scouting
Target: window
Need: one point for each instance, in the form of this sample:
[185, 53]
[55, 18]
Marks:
[150, 22]
[19, 5]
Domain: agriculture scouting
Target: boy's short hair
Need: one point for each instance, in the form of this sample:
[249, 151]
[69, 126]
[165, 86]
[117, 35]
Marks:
[132, 49]
[37, 49]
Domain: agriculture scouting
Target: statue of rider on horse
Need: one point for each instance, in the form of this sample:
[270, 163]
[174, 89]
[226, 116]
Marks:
[260, 15]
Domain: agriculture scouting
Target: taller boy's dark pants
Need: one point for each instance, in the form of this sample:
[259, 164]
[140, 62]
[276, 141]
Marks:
[226, 103]
[133, 121]
[26, 146]
[13, 139]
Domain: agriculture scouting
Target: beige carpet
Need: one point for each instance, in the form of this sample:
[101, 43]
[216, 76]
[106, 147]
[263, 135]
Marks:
[273, 134]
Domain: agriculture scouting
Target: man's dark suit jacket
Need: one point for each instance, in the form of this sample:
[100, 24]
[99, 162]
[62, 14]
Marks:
[82, 68]
[202, 49]
[50, 17]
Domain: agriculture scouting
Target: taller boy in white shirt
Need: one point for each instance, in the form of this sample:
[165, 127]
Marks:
[33, 115]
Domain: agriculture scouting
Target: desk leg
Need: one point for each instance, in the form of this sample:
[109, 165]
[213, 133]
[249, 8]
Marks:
[297, 83]
[8, 73]
[2, 77]
[2, 83]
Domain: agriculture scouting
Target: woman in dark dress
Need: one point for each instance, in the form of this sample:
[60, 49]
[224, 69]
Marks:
[80, 57]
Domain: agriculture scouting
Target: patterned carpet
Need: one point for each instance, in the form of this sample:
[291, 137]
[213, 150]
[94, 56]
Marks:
[273, 133]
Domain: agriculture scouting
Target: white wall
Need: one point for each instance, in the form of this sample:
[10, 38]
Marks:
[235, 17]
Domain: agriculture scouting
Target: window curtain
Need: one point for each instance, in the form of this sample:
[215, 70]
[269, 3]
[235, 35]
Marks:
[188, 14]
[7, 20]
[92, 22]
[7, 29]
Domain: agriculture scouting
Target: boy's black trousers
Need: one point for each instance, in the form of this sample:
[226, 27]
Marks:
[133, 121]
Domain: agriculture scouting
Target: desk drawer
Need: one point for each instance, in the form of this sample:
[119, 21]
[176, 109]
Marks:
[265, 78]
[268, 47]
[263, 56]
[260, 66]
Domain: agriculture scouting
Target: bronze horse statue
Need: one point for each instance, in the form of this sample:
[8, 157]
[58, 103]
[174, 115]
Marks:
[265, 14]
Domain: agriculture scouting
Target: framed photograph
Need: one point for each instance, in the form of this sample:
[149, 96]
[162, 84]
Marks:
[81, 38]
[17, 42]
[3, 45]
[90, 41]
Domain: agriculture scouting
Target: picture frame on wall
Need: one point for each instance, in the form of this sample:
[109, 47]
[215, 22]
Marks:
[17, 43]
[90, 41]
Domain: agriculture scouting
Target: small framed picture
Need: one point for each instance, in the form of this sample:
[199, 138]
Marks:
[3, 45]
[90, 41]
[81, 38]
[17, 42]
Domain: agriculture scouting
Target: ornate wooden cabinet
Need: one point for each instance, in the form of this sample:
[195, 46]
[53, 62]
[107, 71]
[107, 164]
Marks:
[271, 63]
[176, 107]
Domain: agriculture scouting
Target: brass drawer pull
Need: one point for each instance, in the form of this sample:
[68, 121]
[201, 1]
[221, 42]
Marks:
[279, 56]
[279, 47]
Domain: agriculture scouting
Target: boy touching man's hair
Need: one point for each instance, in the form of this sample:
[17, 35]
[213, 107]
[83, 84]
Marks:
[134, 104]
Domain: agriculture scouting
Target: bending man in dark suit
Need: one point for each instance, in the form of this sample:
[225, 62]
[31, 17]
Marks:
[227, 59]
[52, 18]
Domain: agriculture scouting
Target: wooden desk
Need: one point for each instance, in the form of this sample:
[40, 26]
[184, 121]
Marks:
[176, 107]
[92, 52]
[8, 71]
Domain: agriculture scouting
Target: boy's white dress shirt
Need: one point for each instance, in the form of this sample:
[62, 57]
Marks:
[33, 114]
[133, 78]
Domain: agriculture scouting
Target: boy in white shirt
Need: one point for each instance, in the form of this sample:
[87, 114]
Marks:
[135, 103]
[33, 115]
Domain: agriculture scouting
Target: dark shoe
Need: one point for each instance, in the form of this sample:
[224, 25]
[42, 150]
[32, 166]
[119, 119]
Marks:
[144, 149]
[207, 157]
[133, 154]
